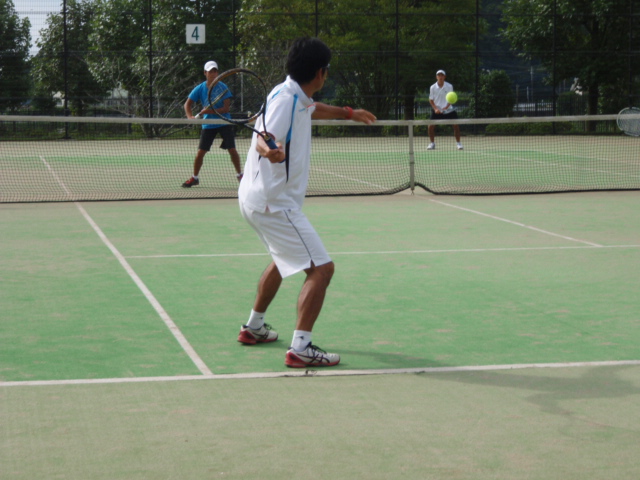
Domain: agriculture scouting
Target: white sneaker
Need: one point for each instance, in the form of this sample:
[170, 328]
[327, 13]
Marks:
[432, 146]
[460, 147]
[264, 334]
[312, 356]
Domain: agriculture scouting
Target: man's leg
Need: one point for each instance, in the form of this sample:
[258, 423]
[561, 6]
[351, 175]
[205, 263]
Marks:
[432, 133]
[268, 287]
[197, 163]
[312, 295]
[456, 132]
[235, 159]
[228, 133]
[303, 353]
[256, 330]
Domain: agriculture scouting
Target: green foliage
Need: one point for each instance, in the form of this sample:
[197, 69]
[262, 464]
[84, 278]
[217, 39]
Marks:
[534, 128]
[582, 33]
[122, 54]
[495, 96]
[15, 41]
[49, 64]
[44, 103]
[613, 96]
[363, 40]
[553, 128]
[113, 46]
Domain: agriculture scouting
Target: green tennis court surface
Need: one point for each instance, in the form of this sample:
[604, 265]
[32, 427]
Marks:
[422, 283]
[419, 282]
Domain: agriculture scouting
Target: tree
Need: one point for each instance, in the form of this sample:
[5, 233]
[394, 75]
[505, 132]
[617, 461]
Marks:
[495, 96]
[583, 39]
[266, 29]
[366, 38]
[152, 60]
[60, 68]
[15, 41]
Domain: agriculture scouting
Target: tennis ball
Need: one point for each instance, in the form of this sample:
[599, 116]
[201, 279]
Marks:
[452, 97]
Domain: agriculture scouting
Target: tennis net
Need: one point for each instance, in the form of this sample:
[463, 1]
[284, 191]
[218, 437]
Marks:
[52, 159]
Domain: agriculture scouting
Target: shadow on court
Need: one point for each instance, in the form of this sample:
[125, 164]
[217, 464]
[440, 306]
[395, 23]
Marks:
[551, 388]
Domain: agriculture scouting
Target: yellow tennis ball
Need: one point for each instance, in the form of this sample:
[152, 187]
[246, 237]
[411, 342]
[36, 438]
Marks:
[452, 97]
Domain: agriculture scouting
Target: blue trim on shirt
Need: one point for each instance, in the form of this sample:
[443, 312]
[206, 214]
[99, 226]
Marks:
[289, 135]
[200, 94]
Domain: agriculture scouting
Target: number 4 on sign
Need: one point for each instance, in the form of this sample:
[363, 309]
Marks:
[195, 33]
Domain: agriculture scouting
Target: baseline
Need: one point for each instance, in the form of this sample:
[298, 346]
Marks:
[321, 373]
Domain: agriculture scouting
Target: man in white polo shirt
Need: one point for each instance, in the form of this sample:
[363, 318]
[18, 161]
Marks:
[441, 109]
[271, 195]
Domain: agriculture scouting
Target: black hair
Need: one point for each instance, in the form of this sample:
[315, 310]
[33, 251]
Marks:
[306, 56]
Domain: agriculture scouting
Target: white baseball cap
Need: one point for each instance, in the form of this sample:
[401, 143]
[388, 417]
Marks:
[210, 65]
[441, 72]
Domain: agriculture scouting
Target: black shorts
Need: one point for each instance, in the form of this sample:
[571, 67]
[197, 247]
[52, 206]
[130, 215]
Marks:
[208, 135]
[444, 116]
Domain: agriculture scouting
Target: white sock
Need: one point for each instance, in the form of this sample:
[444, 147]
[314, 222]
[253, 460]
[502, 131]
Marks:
[256, 320]
[196, 177]
[300, 340]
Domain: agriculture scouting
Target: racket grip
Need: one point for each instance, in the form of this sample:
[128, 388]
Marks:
[197, 115]
[269, 141]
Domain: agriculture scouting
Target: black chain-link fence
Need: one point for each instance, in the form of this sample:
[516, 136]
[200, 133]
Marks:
[503, 57]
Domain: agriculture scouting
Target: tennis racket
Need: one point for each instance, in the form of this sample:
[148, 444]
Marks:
[629, 121]
[248, 97]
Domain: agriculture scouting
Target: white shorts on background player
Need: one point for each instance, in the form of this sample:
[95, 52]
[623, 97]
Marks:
[271, 194]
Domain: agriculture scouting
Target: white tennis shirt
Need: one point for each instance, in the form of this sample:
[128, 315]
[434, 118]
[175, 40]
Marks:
[281, 186]
[439, 95]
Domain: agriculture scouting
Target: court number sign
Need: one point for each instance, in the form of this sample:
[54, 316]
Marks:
[195, 33]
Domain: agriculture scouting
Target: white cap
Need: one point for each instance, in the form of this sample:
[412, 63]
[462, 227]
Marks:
[441, 72]
[210, 65]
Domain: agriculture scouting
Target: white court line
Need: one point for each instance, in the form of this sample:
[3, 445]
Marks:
[173, 328]
[539, 230]
[393, 252]
[202, 255]
[480, 213]
[561, 165]
[364, 182]
[321, 373]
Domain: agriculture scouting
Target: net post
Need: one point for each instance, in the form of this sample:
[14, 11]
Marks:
[412, 163]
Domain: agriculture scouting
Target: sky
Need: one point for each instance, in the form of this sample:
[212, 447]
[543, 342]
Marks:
[37, 11]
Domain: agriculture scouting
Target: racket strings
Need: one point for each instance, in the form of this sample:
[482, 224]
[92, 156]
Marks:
[629, 121]
[248, 96]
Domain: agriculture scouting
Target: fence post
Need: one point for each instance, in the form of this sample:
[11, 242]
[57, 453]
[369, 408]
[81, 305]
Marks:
[150, 4]
[412, 162]
[65, 53]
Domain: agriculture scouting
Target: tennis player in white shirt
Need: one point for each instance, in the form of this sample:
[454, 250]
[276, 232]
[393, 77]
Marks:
[271, 195]
[441, 109]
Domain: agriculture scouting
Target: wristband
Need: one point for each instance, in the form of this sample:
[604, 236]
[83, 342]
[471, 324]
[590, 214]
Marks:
[349, 113]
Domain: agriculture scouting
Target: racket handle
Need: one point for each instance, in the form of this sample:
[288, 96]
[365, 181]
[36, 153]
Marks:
[197, 115]
[272, 145]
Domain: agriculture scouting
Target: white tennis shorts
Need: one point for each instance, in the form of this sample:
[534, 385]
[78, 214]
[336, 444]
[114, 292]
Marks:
[290, 239]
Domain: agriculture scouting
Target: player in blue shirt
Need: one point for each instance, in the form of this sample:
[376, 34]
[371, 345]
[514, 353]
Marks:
[209, 132]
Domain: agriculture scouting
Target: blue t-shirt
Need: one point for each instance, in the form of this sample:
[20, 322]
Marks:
[200, 94]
